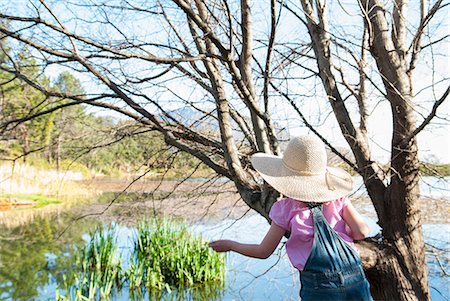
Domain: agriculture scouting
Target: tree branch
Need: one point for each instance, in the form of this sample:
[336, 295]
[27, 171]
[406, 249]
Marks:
[428, 119]
[70, 35]
[398, 34]
[416, 41]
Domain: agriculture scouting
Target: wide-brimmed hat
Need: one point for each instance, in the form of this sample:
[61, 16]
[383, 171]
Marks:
[302, 172]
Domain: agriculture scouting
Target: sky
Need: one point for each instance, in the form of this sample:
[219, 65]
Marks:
[434, 142]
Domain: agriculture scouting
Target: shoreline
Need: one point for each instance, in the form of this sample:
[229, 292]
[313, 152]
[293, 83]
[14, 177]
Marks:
[231, 207]
[192, 201]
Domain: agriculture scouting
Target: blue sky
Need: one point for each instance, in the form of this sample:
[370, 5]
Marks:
[433, 142]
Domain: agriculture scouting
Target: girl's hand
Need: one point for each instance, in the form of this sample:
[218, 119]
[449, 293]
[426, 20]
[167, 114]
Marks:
[221, 245]
[262, 250]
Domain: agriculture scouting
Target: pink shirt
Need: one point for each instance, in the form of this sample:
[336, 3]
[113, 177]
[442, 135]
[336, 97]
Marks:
[296, 217]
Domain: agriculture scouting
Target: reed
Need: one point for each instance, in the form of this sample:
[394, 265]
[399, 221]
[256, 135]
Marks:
[25, 179]
[39, 192]
[98, 268]
[166, 261]
[166, 255]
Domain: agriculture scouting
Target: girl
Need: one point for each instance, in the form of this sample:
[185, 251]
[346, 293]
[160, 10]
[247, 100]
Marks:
[319, 219]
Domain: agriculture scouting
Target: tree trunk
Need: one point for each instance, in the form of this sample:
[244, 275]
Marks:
[396, 268]
[402, 270]
[399, 269]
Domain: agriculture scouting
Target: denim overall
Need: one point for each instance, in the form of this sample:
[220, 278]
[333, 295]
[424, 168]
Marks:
[333, 270]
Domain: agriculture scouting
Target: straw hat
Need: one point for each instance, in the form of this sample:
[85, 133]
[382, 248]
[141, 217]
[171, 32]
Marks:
[302, 173]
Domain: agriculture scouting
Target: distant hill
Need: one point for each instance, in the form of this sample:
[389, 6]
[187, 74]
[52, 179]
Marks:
[199, 120]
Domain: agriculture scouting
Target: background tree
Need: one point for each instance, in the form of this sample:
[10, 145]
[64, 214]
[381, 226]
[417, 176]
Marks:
[142, 60]
[19, 100]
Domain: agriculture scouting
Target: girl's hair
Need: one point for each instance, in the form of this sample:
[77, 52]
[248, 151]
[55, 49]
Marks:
[312, 205]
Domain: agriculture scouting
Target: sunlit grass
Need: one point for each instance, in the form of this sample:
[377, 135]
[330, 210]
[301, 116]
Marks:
[36, 200]
[166, 255]
[165, 260]
[24, 179]
[99, 268]
[36, 192]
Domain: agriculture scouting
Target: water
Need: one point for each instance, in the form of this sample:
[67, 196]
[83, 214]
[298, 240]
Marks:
[32, 262]
[253, 279]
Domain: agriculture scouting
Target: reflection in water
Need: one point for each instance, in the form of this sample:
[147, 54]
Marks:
[36, 265]
[31, 258]
[32, 262]
[204, 292]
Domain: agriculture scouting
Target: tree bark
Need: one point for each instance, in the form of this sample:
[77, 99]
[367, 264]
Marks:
[403, 260]
[400, 270]
[246, 74]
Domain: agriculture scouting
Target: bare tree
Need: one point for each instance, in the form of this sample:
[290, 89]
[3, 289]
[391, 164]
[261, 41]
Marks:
[145, 58]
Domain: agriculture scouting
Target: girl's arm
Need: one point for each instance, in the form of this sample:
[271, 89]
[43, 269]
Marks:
[262, 250]
[358, 227]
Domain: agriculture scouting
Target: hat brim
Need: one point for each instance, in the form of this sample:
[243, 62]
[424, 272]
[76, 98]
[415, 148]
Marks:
[321, 188]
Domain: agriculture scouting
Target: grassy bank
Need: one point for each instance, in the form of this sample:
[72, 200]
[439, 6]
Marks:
[33, 200]
[425, 169]
[28, 187]
[23, 179]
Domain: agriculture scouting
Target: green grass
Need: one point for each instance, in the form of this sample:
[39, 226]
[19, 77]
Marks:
[425, 169]
[98, 268]
[39, 199]
[165, 259]
[166, 255]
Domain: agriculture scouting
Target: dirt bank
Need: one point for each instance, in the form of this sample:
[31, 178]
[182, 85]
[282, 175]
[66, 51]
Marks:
[206, 200]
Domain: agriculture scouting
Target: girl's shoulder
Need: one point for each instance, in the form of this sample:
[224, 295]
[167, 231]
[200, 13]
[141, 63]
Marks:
[290, 204]
[284, 210]
[289, 207]
[338, 204]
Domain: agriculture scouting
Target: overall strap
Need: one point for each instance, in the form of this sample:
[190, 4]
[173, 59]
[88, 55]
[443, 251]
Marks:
[329, 251]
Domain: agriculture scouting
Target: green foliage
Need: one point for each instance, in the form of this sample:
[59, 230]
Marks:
[71, 134]
[68, 83]
[165, 258]
[101, 258]
[99, 268]
[127, 148]
[434, 170]
[39, 199]
[19, 100]
[166, 255]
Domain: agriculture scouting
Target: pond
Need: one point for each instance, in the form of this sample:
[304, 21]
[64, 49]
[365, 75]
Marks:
[34, 258]
[33, 262]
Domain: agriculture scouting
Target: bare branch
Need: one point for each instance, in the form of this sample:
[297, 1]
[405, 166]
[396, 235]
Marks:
[245, 128]
[362, 95]
[124, 54]
[428, 119]
[416, 41]
[223, 111]
[313, 129]
[318, 30]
